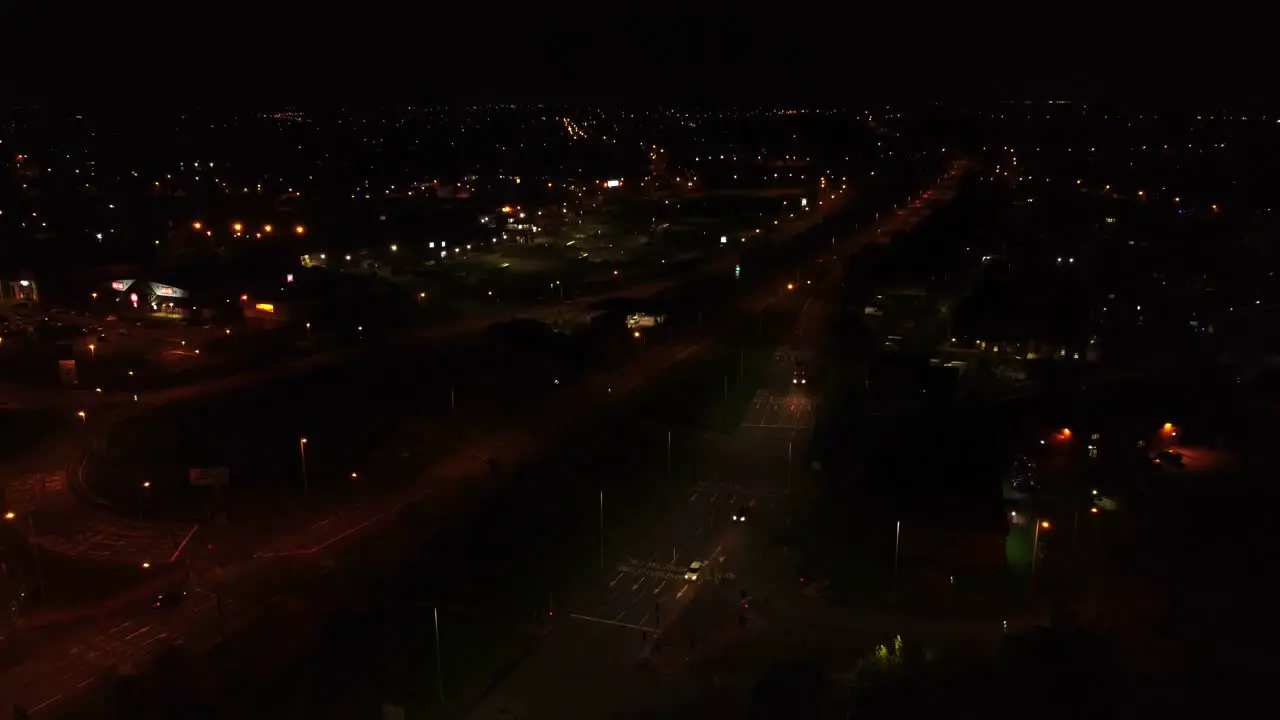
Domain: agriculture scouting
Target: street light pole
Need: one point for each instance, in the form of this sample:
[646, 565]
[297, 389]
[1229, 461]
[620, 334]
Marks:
[302, 449]
[35, 551]
[435, 615]
[1035, 550]
[789, 464]
[668, 452]
[897, 542]
[602, 529]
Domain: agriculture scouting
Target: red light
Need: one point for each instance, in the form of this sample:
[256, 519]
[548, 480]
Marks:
[801, 579]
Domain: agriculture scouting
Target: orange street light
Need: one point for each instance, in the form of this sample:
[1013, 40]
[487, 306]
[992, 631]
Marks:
[1045, 524]
[298, 229]
[197, 225]
[237, 227]
[82, 416]
[10, 515]
[146, 565]
[267, 228]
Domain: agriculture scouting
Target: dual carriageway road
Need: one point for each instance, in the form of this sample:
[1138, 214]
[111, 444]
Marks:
[590, 666]
[61, 666]
[283, 578]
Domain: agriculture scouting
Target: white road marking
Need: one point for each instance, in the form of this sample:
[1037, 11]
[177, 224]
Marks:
[87, 682]
[611, 622]
[615, 580]
[732, 498]
[624, 612]
[693, 497]
[50, 701]
[161, 636]
[659, 588]
[686, 587]
[137, 633]
[638, 583]
[713, 497]
[698, 531]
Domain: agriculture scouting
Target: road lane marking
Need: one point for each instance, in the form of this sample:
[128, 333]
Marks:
[659, 588]
[732, 498]
[686, 587]
[48, 702]
[612, 622]
[698, 531]
[693, 497]
[615, 580]
[121, 626]
[713, 497]
[624, 612]
[87, 682]
[639, 583]
[161, 636]
[137, 633]
[646, 617]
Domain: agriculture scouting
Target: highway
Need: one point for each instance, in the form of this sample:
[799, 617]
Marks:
[630, 618]
[63, 665]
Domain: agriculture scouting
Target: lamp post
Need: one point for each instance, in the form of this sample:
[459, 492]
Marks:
[302, 450]
[35, 546]
[1035, 548]
[435, 616]
[897, 542]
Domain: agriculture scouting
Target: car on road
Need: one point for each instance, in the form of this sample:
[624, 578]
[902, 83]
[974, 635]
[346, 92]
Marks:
[800, 376]
[1169, 458]
[168, 599]
[694, 571]
[740, 515]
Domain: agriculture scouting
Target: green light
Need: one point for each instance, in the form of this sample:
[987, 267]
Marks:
[737, 271]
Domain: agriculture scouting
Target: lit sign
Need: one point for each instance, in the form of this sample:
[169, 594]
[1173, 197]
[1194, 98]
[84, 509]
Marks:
[265, 307]
[121, 285]
[167, 290]
[133, 298]
[612, 183]
[288, 278]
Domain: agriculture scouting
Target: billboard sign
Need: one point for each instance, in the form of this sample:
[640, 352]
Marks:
[67, 372]
[209, 477]
[121, 285]
[167, 290]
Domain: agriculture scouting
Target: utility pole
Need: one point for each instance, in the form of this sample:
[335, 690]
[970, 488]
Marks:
[602, 529]
[668, 452]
